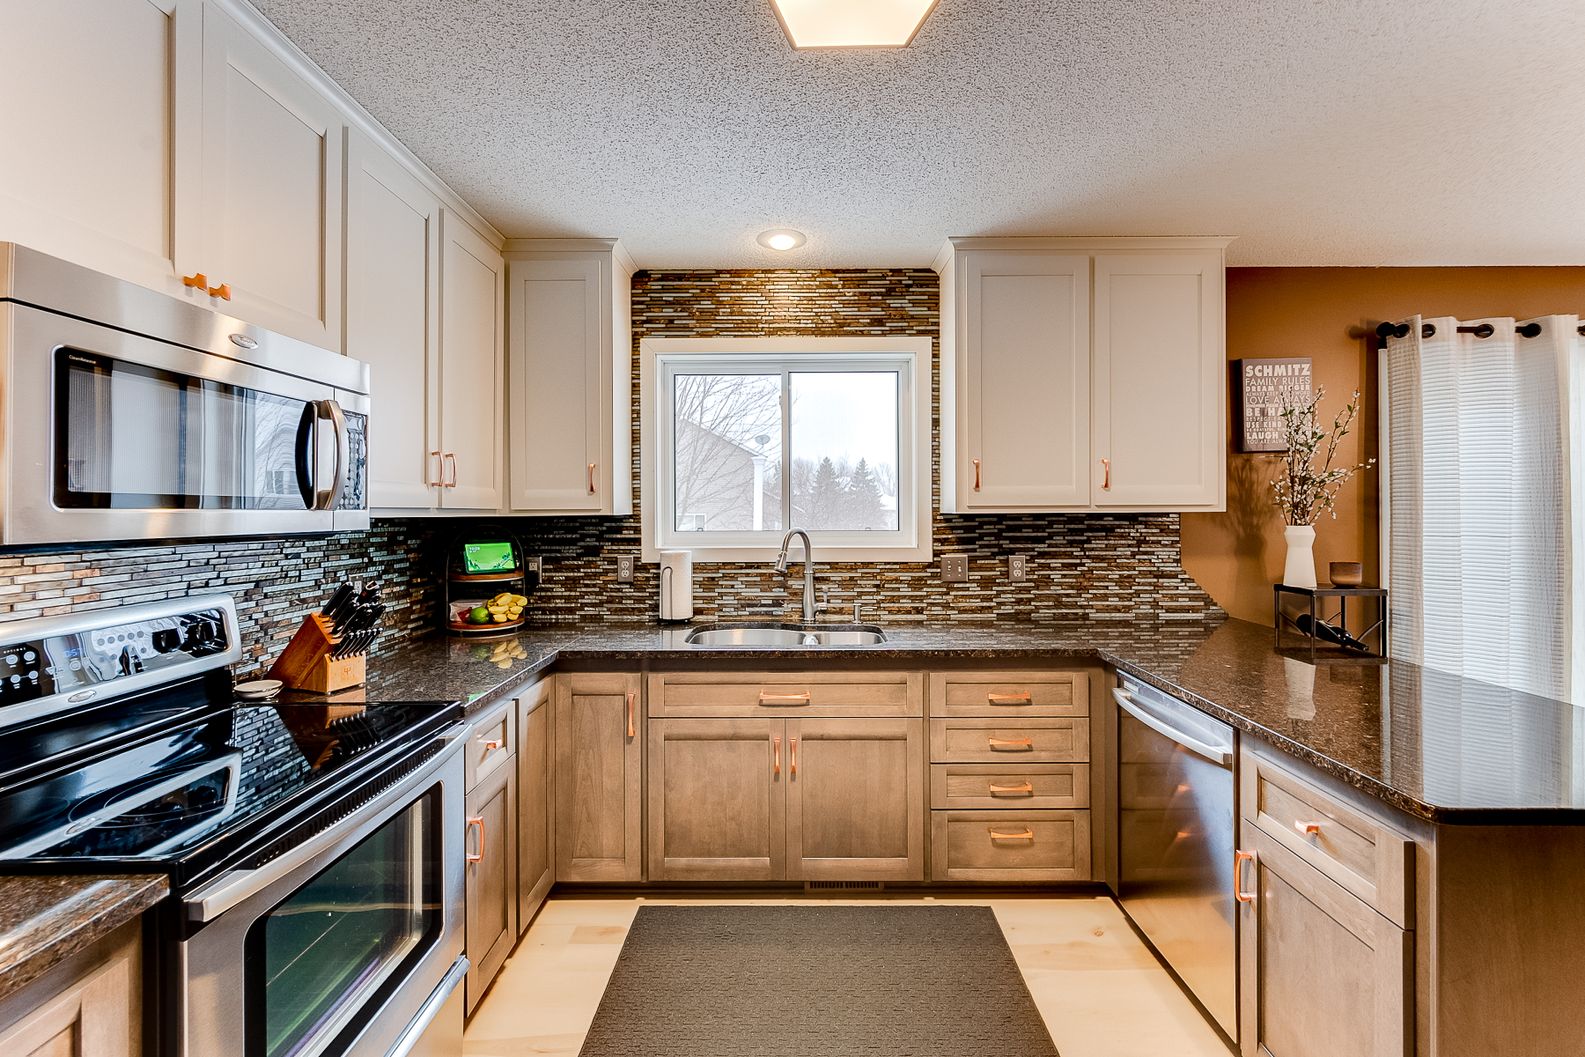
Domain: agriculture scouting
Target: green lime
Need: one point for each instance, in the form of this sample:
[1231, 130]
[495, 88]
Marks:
[478, 615]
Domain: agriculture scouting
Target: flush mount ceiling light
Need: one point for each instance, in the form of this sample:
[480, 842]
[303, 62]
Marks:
[780, 239]
[852, 23]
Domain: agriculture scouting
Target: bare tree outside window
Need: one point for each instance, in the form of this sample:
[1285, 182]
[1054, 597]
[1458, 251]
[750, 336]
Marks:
[728, 452]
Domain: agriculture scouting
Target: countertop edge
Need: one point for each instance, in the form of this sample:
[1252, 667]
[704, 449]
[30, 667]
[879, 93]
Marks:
[69, 925]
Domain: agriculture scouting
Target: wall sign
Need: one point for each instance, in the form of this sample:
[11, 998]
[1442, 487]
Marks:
[1260, 390]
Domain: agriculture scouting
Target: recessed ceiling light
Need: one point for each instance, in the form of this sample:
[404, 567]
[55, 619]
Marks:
[852, 23]
[781, 239]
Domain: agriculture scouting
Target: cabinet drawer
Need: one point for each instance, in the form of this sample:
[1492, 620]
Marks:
[1010, 845]
[1364, 855]
[491, 742]
[987, 785]
[793, 694]
[992, 741]
[1009, 694]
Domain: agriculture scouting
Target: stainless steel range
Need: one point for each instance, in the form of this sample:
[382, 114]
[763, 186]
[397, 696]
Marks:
[313, 849]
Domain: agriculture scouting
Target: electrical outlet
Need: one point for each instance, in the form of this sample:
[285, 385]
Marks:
[535, 565]
[954, 568]
[624, 569]
[1017, 567]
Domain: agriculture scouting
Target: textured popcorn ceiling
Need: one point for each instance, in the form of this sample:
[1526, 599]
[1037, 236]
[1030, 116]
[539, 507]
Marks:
[1361, 132]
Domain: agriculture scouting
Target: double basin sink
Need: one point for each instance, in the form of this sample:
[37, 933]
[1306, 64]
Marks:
[785, 635]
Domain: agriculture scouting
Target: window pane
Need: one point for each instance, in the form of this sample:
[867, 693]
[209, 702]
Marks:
[844, 450]
[728, 431]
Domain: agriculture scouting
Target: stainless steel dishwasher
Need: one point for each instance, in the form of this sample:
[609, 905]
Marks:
[1176, 818]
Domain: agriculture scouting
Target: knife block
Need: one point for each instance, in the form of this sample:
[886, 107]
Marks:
[306, 663]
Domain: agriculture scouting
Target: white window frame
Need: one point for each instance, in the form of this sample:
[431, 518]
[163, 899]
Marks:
[910, 357]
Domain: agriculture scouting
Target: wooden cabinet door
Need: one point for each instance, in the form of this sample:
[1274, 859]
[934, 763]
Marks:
[1160, 436]
[536, 809]
[599, 778]
[491, 845]
[1023, 406]
[716, 799]
[271, 164]
[855, 799]
[1321, 973]
[96, 1014]
[102, 118]
[471, 426]
[560, 331]
[393, 321]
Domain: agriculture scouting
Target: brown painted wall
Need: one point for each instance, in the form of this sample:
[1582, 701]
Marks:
[1330, 314]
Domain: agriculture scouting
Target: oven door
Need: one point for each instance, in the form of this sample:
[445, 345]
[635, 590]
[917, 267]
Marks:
[343, 945]
[119, 437]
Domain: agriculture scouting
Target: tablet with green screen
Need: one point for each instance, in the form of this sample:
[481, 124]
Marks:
[489, 557]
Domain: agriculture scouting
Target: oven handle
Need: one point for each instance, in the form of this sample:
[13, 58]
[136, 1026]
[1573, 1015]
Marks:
[1215, 753]
[237, 886]
[413, 1034]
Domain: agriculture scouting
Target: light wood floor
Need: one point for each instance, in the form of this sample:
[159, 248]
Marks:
[1102, 994]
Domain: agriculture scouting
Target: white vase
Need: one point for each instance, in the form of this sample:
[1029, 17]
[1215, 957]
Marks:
[1299, 569]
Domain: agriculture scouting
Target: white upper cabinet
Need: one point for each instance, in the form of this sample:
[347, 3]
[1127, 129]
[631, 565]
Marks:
[1159, 378]
[1082, 374]
[472, 428]
[270, 231]
[393, 322]
[101, 115]
[571, 376]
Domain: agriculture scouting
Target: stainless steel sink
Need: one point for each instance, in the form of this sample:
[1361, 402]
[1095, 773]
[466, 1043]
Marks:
[785, 635]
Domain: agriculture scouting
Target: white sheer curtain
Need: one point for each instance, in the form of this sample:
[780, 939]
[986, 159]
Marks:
[1484, 499]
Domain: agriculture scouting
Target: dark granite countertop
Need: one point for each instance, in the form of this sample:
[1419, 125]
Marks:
[1434, 745]
[45, 920]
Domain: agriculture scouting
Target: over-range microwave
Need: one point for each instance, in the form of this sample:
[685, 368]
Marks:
[131, 415]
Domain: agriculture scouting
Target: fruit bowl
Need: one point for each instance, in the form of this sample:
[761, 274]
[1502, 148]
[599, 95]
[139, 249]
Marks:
[483, 616]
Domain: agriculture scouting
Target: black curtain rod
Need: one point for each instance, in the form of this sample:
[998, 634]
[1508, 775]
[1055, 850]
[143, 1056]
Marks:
[1427, 330]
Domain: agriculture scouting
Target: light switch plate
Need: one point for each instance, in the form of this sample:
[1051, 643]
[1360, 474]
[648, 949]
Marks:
[624, 569]
[535, 565]
[954, 568]
[1017, 567]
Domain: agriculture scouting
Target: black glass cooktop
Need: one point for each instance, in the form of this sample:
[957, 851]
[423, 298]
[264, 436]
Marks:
[178, 783]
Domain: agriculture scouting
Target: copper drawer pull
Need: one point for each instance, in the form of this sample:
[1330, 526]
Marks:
[801, 698]
[1023, 697]
[1022, 789]
[1106, 481]
[1011, 744]
[1309, 829]
[477, 822]
[1239, 859]
[775, 766]
[439, 481]
[493, 744]
[632, 700]
[592, 465]
[976, 463]
[792, 745]
[448, 458]
[1023, 834]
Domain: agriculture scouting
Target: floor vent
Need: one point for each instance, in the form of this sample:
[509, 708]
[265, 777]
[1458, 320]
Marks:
[844, 886]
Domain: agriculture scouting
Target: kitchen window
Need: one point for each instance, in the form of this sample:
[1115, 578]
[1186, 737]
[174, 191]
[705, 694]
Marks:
[745, 438]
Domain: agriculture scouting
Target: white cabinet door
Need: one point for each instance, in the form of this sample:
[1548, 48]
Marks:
[97, 124]
[1159, 365]
[557, 310]
[1025, 368]
[393, 321]
[471, 427]
[272, 187]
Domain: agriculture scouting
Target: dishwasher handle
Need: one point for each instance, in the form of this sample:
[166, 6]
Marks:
[1220, 755]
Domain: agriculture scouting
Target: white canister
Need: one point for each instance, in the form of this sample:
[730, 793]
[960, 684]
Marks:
[676, 585]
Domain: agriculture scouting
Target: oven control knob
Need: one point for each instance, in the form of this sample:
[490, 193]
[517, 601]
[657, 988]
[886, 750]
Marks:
[130, 662]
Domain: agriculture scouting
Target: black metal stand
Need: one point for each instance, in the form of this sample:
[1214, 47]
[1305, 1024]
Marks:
[1283, 624]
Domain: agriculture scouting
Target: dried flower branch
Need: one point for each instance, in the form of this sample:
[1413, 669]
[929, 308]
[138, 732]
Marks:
[1308, 485]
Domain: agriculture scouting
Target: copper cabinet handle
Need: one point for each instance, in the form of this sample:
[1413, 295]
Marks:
[1239, 859]
[477, 822]
[632, 699]
[1309, 829]
[1023, 834]
[775, 766]
[439, 463]
[223, 291]
[196, 281]
[792, 747]
[769, 699]
[1022, 789]
[976, 463]
[1023, 697]
[448, 458]
[1106, 480]
[493, 744]
[1005, 744]
[592, 465]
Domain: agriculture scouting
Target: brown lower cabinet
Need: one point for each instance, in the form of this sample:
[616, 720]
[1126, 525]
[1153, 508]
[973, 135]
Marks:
[536, 806]
[1322, 974]
[491, 875]
[599, 777]
[773, 799]
[88, 1006]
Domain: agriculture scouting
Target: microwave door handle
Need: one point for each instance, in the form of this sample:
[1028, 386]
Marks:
[1217, 754]
[307, 451]
[330, 411]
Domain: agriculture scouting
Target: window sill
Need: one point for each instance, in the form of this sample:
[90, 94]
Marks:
[822, 555]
